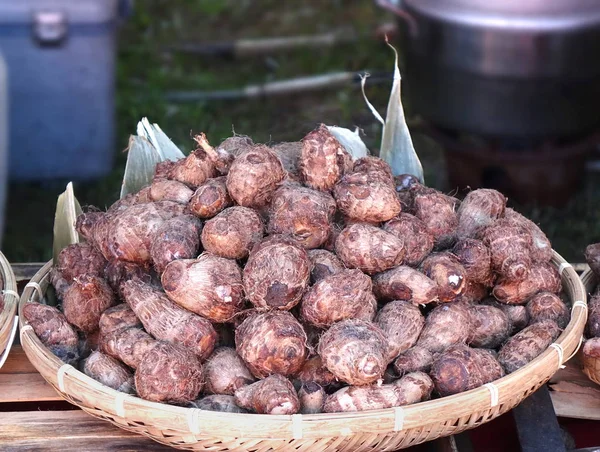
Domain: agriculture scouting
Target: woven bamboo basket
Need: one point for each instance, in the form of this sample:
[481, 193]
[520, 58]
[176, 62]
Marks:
[382, 430]
[591, 365]
[8, 321]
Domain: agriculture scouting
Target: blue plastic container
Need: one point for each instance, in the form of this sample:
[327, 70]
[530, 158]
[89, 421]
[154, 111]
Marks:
[60, 56]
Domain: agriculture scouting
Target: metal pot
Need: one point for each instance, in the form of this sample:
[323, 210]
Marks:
[503, 68]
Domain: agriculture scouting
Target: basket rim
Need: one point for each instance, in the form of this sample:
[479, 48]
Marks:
[261, 426]
[11, 304]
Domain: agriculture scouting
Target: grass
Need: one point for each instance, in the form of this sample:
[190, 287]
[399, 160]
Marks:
[145, 72]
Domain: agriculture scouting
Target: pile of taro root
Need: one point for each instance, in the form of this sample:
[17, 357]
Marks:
[293, 278]
[591, 347]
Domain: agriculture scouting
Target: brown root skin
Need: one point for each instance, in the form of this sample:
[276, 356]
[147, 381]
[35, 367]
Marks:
[170, 190]
[233, 232]
[401, 323]
[438, 212]
[217, 402]
[592, 257]
[591, 348]
[369, 248]
[323, 263]
[210, 286]
[273, 342]
[490, 327]
[254, 176]
[461, 368]
[117, 318]
[220, 157]
[473, 293]
[315, 371]
[311, 396]
[405, 283]
[446, 325]
[593, 322]
[479, 209]
[447, 272]
[109, 372]
[276, 274]
[415, 359]
[527, 344]
[517, 314]
[169, 373]
[476, 258]
[80, 259]
[289, 154]
[542, 248]
[355, 351]
[235, 145]
[117, 271]
[344, 295]
[85, 224]
[53, 329]
[417, 240]
[323, 160]
[302, 213]
[193, 170]
[541, 277]
[371, 164]
[177, 238]
[225, 372]
[273, 395]
[162, 170]
[85, 301]
[548, 306]
[59, 283]
[210, 198]
[128, 345]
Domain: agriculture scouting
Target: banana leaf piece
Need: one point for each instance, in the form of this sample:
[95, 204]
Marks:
[142, 158]
[163, 144]
[350, 140]
[67, 211]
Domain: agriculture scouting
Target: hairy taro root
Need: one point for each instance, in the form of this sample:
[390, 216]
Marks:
[85, 301]
[273, 342]
[323, 160]
[510, 249]
[220, 156]
[311, 395]
[369, 248]
[479, 209]
[438, 212]
[415, 359]
[59, 283]
[53, 330]
[541, 277]
[78, 260]
[233, 232]
[210, 198]
[446, 325]
[273, 395]
[490, 326]
[542, 248]
[548, 306]
[109, 372]
[527, 344]
[217, 402]
[128, 345]
[473, 293]
[447, 272]
[344, 295]
[592, 257]
[302, 213]
[405, 283]
[225, 372]
[177, 238]
[193, 170]
[517, 314]
[355, 351]
[417, 240]
[289, 154]
[169, 373]
[402, 323]
[461, 368]
[117, 318]
[210, 286]
[170, 190]
[593, 322]
[117, 271]
[371, 164]
[315, 371]
[254, 176]
[277, 273]
[323, 263]
[475, 257]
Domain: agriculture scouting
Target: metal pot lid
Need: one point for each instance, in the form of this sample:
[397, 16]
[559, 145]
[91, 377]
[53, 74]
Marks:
[509, 14]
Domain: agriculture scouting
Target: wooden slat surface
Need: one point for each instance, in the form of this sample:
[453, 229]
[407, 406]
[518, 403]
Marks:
[573, 394]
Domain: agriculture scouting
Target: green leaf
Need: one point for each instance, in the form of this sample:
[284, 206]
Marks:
[142, 158]
[67, 211]
[350, 140]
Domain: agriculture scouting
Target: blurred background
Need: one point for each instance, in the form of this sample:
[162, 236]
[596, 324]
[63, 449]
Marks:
[496, 93]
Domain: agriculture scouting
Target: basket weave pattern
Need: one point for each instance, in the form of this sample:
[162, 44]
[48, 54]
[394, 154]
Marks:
[8, 285]
[383, 430]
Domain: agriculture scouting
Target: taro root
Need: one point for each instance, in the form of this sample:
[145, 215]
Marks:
[80, 259]
[527, 344]
[225, 372]
[289, 154]
[311, 395]
[415, 359]
[235, 145]
[369, 248]
[355, 351]
[169, 373]
[254, 176]
[233, 232]
[85, 301]
[479, 209]
[220, 156]
[273, 342]
[170, 190]
[116, 318]
[177, 238]
[405, 283]
[371, 164]
[162, 170]
[438, 212]
[217, 402]
[167, 321]
[362, 197]
[411, 388]
[402, 323]
[210, 286]
[323, 160]
[86, 223]
[510, 249]
[109, 372]
[210, 198]
[59, 283]
[314, 370]
[344, 295]
[141, 197]
[329, 244]
[542, 248]
[323, 263]
[277, 273]
[193, 170]
[117, 271]
[490, 327]
[517, 314]
[53, 330]
[475, 257]
[273, 395]
[446, 325]
[461, 368]
[302, 213]
[128, 345]
[417, 240]
[447, 272]
[593, 322]
[592, 257]
[473, 293]
[541, 277]
[591, 349]
[548, 306]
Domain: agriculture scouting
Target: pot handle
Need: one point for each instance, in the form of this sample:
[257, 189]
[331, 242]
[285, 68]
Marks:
[397, 8]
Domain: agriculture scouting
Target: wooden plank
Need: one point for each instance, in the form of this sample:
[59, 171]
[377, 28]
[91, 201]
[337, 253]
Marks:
[25, 271]
[25, 388]
[17, 362]
[576, 405]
